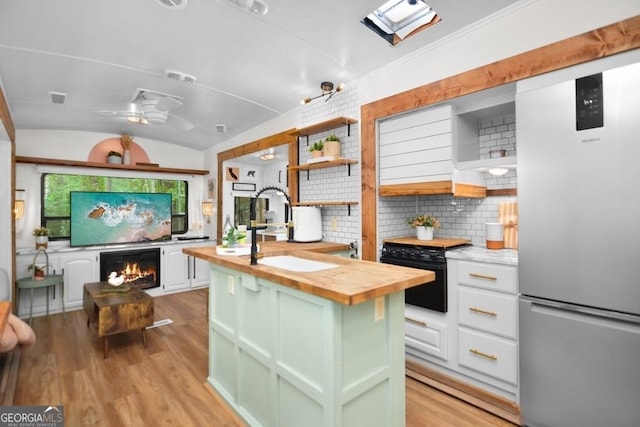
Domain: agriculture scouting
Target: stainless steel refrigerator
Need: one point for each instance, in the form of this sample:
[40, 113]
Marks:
[579, 249]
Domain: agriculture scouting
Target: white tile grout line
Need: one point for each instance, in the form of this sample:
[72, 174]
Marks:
[160, 323]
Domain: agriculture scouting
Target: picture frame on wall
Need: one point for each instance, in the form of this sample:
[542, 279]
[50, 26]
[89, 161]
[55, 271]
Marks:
[211, 188]
[243, 186]
[250, 174]
[232, 174]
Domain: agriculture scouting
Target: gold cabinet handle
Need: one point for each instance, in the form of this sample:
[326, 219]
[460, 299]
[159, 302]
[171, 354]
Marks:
[481, 311]
[415, 321]
[483, 276]
[485, 355]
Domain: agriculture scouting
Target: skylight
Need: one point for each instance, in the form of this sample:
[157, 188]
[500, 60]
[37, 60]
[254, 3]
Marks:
[396, 20]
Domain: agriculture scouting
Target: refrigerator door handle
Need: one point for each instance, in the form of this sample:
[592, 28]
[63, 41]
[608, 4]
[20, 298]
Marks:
[568, 310]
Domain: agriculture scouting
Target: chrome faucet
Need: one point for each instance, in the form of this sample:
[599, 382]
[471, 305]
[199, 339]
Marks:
[254, 223]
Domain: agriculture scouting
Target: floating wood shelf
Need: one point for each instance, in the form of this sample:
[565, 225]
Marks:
[324, 126]
[321, 165]
[324, 203]
[327, 203]
[61, 162]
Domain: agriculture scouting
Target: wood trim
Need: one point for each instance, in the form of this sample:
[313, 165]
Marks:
[5, 117]
[76, 163]
[473, 395]
[609, 40]
[416, 188]
[469, 190]
[285, 137]
[503, 192]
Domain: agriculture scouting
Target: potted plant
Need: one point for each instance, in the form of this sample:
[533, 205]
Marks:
[332, 146]
[42, 237]
[316, 149]
[38, 271]
[114, 157]
[232, 238]
[424, 224]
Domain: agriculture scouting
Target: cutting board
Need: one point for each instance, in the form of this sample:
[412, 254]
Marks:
[435, 243]
[508, 215]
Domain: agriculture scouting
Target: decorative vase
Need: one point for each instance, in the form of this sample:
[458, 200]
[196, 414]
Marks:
[114, 160]
[126, 157]
[42, 242]
[332, 148]
[424, 233]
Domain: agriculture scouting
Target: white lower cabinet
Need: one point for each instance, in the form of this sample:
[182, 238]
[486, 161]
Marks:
[180, 271]
[476, 341]
[426, 334]
[487, 325]
[78, 268]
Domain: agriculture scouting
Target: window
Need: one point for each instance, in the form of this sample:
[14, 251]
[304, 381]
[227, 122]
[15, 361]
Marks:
[55, 209]
[396, 20]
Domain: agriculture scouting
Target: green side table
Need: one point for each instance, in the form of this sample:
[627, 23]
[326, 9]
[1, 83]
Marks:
[48, 281]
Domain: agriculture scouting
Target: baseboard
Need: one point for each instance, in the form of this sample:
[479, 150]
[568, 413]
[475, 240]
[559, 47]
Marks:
[497, 405]
[9, 365]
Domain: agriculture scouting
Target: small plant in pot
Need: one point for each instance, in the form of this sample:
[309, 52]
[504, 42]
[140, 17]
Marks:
[316, 149]
[38, 270]
[42, 237]
[332, 146]
[233, 238]
[114, 157]
[424, 224]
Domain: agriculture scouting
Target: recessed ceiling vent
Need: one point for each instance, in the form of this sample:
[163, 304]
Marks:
[58, 97]
[178, 75]
[173, 4]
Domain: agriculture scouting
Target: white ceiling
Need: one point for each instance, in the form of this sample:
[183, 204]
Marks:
[249, 68]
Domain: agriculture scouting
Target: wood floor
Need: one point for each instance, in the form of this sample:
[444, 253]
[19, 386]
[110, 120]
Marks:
[165, 384]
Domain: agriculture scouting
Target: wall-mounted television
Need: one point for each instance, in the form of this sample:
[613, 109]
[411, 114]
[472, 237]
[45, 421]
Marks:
[104, 218]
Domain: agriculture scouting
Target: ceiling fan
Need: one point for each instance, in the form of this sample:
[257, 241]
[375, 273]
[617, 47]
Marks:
[152, 108]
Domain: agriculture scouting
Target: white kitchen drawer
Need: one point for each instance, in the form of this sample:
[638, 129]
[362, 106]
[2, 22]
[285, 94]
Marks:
[501, 278]
[422, 336]
[491, 312]
[488, 355]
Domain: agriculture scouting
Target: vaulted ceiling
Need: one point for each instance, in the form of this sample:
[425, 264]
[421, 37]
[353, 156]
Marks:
[248, 68]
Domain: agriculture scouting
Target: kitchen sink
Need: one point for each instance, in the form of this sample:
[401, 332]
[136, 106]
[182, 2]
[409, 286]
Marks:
[293, 263]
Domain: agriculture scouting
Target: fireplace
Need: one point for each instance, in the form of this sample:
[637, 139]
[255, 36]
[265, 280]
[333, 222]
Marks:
[140, 267]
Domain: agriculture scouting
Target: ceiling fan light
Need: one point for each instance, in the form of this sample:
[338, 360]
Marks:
[267, 156]
[137, 120]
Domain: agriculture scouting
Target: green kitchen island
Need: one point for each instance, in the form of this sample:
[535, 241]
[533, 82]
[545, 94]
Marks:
[322, 347]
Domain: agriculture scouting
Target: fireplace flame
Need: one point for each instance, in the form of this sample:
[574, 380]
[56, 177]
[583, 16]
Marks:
[133, 272]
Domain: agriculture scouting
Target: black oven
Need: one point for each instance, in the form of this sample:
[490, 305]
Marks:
[432, 295]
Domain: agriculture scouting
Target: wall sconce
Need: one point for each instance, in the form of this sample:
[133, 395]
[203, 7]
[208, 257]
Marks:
[18, 206]
[207, 210]
[327, 90]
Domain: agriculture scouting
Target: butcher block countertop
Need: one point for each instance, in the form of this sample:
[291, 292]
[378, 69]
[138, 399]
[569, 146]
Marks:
[352, 282]
[444, 243]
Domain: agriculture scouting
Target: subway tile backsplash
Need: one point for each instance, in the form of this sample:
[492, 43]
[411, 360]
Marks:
[459, 217]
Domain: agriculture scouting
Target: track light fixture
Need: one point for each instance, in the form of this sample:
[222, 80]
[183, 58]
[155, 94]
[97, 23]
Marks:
[327, 90]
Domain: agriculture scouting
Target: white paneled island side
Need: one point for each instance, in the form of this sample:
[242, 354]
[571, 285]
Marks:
[314, 348]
